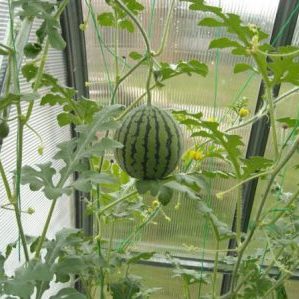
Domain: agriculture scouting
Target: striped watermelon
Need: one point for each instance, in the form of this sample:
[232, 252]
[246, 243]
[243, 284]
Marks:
[152, 143]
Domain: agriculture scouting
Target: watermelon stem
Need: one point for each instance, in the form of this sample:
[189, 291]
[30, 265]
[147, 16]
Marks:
[149, 52]
[137, 23]
[166, 30]
[148, 82]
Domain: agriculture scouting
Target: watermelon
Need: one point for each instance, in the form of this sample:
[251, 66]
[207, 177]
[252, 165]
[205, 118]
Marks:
[152, 143]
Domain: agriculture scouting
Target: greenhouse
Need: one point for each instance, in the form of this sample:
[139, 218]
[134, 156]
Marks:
[149, 149]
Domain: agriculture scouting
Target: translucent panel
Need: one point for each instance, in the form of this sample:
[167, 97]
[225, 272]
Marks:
[287, 178]
[44, 122]
[211, 95]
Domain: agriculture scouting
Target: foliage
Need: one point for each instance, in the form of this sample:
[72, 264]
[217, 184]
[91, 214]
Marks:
[110, 196]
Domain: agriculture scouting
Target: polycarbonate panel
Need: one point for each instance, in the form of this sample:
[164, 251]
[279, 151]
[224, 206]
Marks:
[287, 177]
[187, 228]
[44, 122]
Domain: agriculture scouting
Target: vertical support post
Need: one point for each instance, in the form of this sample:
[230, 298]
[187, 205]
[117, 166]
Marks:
[77, 74]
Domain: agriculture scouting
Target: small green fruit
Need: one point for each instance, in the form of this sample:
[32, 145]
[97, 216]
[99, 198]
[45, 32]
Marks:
[4, 129]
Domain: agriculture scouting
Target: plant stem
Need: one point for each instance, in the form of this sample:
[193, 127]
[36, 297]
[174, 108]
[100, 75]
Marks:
[267, 85]
[149, 54]
[45, 229]
[111, 241]
[132, 105]
[281, 213]
[120, 80]
[285, 95]
[5, 182]
[166, 30]
[258, 115]
[111, 205]
[220, 194]
[279, 281]
[273, 122]
[215, 268]
[35, 132]
[275, 172]
[148, 82]
[269, 268]
[138, 24]
[16, 89]
[239, 216]
[17, 202]
[277, 55]
[101, 42]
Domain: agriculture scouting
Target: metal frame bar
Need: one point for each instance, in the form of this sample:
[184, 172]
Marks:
[260, 130]
[77, 75]
[205, 265]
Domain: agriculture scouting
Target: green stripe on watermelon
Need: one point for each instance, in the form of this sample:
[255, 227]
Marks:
[152, 143]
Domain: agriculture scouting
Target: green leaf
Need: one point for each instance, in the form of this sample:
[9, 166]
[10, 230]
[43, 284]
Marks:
[290, 122]
[177, 187]
[66, 118]
[194, 181]
[140, 256]
[71, 153]
[151, 186]
[52, 99]
[135, 55]
[54, 35]
[56, 40]
[69, 264]
[224, 42]
[125, 288]
[10, 99]
[200, 5]
[68, 293]
[34, 271]
[89, 178]
[255, 164]
[127, 24]
[22, 289]
[222, 230]
[243, 67]
[29, 71]
[106, 19]
[240, 52]
[134, 6]
[191, 276]
[99, 148]
[281, 292]
[41, 32]
[42, 179]
[168, 71]
[2, 271]
[31, 50]
[210, 22]
[165, 195]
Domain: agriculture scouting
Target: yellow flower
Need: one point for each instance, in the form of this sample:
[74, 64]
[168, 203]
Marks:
[198, 155]
[193, 155]
[243, 112]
